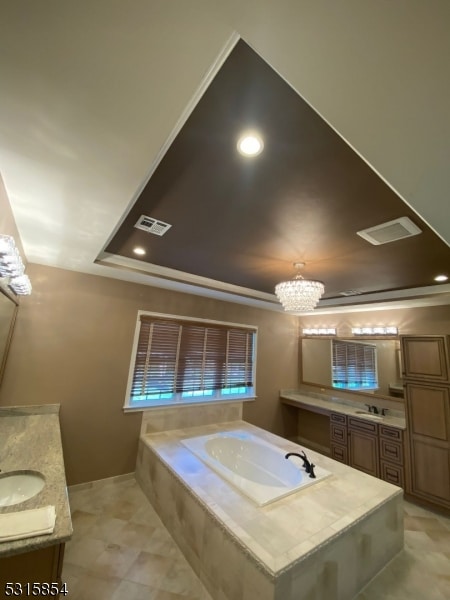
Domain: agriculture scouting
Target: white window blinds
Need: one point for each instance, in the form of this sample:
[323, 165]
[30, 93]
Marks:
[354, 365]
[181, 357]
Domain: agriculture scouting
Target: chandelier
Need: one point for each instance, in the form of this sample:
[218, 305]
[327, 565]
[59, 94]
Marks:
[299, 294]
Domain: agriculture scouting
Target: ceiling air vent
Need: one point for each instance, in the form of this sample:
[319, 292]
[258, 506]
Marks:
[152, 225]
[398, 229]
[350, 293]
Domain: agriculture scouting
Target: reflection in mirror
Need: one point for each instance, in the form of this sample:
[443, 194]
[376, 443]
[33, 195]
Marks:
[8, 310]
[368, 366]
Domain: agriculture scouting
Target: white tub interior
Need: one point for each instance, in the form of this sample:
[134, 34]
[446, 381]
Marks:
[255, 467]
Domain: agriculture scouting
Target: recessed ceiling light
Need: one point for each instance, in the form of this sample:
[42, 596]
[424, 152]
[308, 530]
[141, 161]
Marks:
[138, 250]
[441, 278]
[250, 144]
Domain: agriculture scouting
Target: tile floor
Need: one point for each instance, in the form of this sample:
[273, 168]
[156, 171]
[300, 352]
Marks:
[120, 550]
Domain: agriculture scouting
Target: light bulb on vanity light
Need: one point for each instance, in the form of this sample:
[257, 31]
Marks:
[21, 285]
[12, 268]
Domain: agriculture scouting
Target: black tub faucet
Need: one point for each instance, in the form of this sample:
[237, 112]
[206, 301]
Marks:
[306, 463]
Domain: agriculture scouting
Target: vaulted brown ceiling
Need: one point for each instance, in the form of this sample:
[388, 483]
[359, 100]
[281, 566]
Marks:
[245, 221]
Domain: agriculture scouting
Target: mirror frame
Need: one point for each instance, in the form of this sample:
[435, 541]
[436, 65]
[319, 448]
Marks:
[12, 322]
[319, 386]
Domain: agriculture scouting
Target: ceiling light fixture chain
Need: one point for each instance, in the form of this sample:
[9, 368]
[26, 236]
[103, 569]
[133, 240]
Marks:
[299, 294]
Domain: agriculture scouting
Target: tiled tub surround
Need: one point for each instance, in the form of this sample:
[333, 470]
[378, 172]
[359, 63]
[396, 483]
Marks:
[189, 415]
[326, 541]
[31, 440]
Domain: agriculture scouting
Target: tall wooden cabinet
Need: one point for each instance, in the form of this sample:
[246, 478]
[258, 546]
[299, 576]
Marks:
[426, 373]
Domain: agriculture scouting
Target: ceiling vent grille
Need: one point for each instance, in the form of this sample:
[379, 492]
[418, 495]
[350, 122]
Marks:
[350, 293]
[398, 229]
[152, 225]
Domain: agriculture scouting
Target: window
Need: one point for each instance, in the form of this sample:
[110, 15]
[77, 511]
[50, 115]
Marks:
[180, 360]
[354, 366]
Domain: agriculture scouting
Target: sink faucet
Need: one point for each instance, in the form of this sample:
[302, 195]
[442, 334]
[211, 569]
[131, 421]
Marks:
[304, 458]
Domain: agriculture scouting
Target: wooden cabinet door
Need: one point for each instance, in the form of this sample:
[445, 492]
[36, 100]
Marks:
[363, 452]
[427, 411]
[42, 565]
[425, 357]
[428, 418]
[430, 476]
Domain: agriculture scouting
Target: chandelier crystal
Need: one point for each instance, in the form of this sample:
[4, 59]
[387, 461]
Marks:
[299, 294]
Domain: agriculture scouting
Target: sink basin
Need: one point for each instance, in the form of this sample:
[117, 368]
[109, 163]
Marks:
[369, 415]
[18, 486]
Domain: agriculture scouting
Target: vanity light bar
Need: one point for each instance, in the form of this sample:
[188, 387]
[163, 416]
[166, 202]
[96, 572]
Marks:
[374, 330]
[320, 331]
[12, 267]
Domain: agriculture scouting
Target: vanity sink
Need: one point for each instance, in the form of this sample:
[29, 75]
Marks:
[18, 486]
[369, 415]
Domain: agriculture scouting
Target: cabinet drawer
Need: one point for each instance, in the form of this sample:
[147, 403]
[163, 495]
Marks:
[390, 432]
[339, 453]
[393, 474]
[335, 418]
[338, 433]
[360, 425]
[391, 451]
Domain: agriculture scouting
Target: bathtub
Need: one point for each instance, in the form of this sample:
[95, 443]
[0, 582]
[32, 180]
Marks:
[255, 467]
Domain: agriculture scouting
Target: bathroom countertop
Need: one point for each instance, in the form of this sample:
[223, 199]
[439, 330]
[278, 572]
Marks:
[31, 440]
[328, 404]
[289, 530]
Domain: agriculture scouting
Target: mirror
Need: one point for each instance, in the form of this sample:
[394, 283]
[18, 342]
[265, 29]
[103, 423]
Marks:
[8, 311]
[317, 364]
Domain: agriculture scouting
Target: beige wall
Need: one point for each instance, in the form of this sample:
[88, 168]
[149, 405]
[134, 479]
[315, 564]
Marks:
[316, 361]
[7, 222]
[72, 345]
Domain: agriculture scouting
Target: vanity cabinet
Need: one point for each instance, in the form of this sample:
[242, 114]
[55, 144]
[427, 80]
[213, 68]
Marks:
[338, 437]
[41, 566]
[427, 396]
[363, 451]
[376, 449]
[392, 464]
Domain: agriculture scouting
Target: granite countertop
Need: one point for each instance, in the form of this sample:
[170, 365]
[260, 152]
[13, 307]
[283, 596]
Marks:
[330, 403]
[285, 531]
[31, 440]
